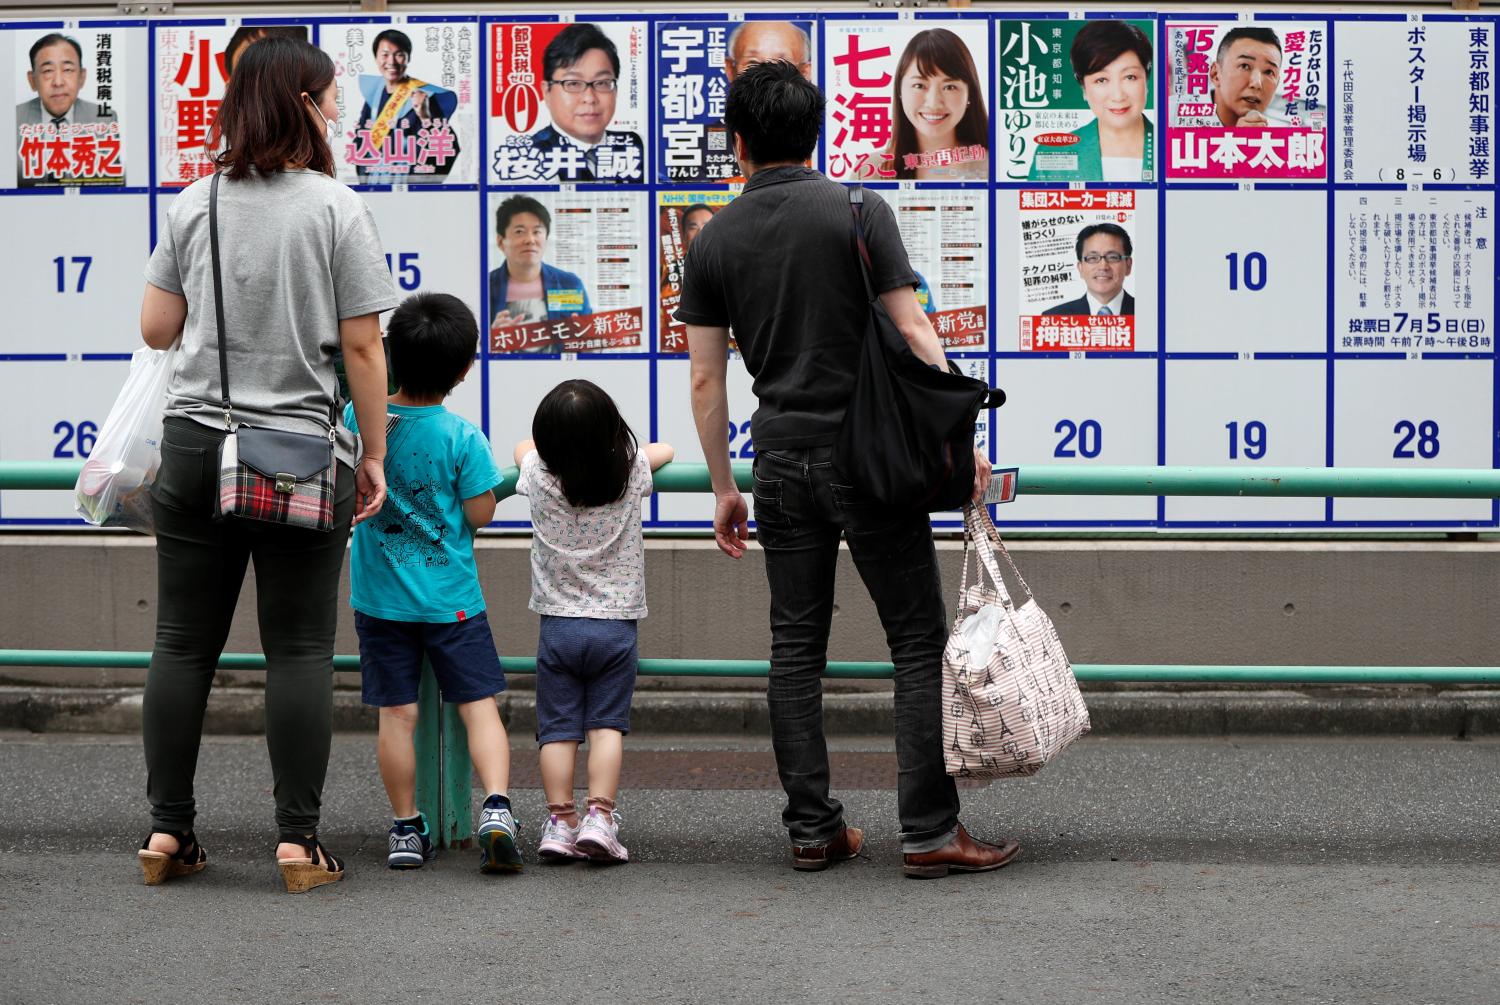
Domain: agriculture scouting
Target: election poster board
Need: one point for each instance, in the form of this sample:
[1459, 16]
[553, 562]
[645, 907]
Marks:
[408, 101]
[1308, 197]
[579, 114]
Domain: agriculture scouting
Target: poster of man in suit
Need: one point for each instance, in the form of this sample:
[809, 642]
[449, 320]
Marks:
[67, 123]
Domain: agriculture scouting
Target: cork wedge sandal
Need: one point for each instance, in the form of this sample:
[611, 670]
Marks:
[318, 869]
[160, 866]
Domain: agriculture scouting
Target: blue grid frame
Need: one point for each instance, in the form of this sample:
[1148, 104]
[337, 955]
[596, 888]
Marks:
[1002, 365]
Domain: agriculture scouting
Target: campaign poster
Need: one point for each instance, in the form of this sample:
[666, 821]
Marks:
[1076, 101]
[407, 101]
[1415, 102]
[680, 218]
[1414, 272]
[193, 63]
[696, 61]
[907, 100]
[568, 102]
[946, 236]
[568, 272]
[1075, 292]
[1248, 100]
[70, 108]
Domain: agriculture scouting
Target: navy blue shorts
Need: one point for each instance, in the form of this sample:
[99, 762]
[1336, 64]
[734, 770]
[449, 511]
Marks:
[462, 654]
[585, 677]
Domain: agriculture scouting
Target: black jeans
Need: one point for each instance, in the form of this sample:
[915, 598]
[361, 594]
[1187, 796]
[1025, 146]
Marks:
[200, 567]
[802, 507]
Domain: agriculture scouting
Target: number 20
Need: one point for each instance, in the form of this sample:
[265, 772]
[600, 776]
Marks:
[1088, 436]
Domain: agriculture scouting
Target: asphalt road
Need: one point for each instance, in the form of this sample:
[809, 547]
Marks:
[1332, 871]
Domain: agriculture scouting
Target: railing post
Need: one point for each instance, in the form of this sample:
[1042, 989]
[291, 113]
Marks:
[443, 772]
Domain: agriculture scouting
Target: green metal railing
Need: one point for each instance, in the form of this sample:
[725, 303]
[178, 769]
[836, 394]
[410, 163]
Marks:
[443, 778]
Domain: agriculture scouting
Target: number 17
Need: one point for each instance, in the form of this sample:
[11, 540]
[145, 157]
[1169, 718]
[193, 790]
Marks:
[83, 273]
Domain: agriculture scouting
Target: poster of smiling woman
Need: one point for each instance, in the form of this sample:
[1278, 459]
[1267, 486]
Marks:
[567, 102]
[1075, 101]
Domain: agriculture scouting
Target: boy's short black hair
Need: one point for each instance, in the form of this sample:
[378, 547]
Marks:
[776, 111]
[432, 338]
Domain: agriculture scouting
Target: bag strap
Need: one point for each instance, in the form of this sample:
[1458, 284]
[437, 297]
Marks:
[213, 243]
[977, 524]
[856, 207]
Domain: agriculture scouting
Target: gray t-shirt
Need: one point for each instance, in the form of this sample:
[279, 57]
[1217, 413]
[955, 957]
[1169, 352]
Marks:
[299, 252]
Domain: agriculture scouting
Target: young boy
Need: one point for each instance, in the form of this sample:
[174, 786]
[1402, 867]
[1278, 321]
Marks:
[415, 586]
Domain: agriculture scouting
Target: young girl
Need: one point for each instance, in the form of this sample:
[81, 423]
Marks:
[585, 477]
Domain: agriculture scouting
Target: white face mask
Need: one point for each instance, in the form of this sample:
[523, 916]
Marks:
[330, 128]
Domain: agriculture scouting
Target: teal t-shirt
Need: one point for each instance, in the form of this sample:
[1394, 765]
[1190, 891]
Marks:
[414, 560]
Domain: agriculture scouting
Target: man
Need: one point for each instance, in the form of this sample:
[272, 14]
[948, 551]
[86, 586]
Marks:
[799, 313]
[57, 75]
[1103, 251]
[398, 103]
[524, 289]
[694, 219]
[760, 41]
[581, 79]
[1244, 76]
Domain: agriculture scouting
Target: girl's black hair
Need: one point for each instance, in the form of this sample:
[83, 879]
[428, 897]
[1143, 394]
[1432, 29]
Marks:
[584, 440]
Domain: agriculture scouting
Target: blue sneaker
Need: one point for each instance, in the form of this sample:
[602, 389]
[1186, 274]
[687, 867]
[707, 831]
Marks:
[409, 847]
[497, 839]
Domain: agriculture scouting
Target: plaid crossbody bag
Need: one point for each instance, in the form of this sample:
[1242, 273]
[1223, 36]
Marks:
[267, 474]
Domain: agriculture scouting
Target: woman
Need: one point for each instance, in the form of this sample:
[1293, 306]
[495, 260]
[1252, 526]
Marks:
[1112, 63]
[303, 278]
[941, 131]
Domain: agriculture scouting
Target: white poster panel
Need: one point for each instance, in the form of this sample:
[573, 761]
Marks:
[1246, 413]
[1412, 415]
[568, 272]
[52, 411]
[71, 113]
[674, 417]
[74, 283]
[1415, 101]
[568, 102]
[1247, 271]
[1044, 289]
[518, 384]
[1414, 272]
[418, 231]
[408, 101]
[946, 236]
[907, 100]
[1071, 412]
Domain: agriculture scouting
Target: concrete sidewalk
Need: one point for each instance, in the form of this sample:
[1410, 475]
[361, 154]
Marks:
[1340, 872]
[1321, 711]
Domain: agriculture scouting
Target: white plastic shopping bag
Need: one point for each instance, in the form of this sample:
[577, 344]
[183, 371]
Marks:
[114, 487]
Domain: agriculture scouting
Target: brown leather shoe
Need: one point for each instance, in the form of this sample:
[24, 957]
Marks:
[962, 854]
[814, 858]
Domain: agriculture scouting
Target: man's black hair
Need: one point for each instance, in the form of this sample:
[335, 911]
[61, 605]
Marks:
[399, 39]
[1253, 33]
[1113, 230]
[571, 43]
[52, 39]
[776, 111]
[584, 440]
[432, 338]
[508, 209]
[695, 207]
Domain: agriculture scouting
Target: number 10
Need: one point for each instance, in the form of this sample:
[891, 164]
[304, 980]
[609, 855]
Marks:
[1253, 274]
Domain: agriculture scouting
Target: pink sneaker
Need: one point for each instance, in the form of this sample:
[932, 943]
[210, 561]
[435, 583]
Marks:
[598, 837]
[559, 842]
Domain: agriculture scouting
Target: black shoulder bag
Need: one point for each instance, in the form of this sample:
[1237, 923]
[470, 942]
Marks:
[268, 474]
[908, 433]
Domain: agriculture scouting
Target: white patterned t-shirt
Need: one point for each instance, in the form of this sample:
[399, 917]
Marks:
[586, 561]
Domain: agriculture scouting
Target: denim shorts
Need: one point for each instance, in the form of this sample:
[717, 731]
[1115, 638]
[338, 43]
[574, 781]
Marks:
[462, 654]
[585, 677]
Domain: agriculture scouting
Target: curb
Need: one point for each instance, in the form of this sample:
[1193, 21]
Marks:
[1457, 714]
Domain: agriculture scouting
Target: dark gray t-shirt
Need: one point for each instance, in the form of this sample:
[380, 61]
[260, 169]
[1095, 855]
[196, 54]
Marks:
[778, 266]
[299, 252]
